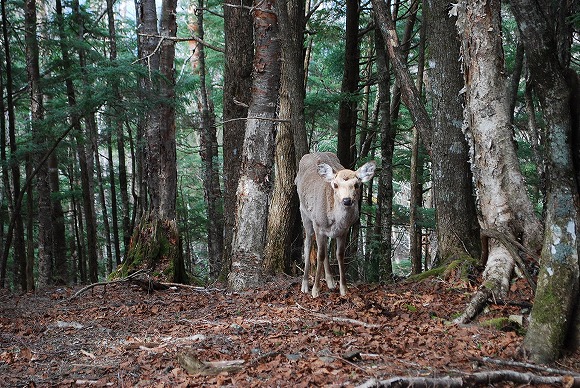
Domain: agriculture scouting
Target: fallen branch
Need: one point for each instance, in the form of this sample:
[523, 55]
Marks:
[528, 365]
[105, 284]
[483, 378]
[339, 319]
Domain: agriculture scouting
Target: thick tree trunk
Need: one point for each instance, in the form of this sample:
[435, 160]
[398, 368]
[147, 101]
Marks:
[156, 241]
[457, 226]
[283, 214]
[557, 290]
[239, 52]
[255, 186]
[504, 202]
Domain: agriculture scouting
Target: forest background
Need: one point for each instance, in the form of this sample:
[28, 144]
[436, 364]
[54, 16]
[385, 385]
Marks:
[167, 136]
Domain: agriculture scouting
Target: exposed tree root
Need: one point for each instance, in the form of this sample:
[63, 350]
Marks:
[492, 287]
[143, 280]
[479, 378]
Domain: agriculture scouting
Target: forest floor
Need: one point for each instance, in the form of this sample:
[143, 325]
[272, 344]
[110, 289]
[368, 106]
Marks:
[123, 336]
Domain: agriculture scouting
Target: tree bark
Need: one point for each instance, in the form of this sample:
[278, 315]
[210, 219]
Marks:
[457, 226]
[239, 52]
[283, 214]
[347, 116]
[381, 264]
[255, 187]
[156, 243]
[503, 200]
[557, 290]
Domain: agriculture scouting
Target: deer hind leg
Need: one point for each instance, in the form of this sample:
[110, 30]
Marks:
[309, 234]
[321, 258]
[340, 248]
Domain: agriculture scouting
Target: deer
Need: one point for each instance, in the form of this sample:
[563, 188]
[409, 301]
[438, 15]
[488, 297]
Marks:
[329, 205]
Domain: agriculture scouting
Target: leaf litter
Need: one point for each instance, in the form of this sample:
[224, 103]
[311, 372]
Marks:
[121, 336]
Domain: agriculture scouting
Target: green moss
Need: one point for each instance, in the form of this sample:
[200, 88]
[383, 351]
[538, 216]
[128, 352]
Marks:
[461, 267]
[504, 324]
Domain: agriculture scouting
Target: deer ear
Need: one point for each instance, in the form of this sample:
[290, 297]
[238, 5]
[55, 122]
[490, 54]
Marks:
[326, 172]
[366, 171]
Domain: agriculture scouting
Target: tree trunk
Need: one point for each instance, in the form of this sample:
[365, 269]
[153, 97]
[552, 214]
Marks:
[457, 226]
[15, 205]
[116, 122]
[504, 203]
[255, 187]
[284, 213]
[209, 157]
[347, 116]
[381, 264]
[156, 242]
[239, 52]
[45, 243]
[557, 290]
[409, 92]
[105, 213]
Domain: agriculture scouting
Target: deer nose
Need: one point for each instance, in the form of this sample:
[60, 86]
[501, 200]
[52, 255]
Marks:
[347, 201]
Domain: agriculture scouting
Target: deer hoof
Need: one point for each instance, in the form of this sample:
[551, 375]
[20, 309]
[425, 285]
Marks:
[305, 287]
[330, 283]
[315, 292]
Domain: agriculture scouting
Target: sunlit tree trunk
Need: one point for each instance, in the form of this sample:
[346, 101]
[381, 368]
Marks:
[255, 186]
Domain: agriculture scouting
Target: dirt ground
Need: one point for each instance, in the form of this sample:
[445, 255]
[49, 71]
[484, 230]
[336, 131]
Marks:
[123, 336]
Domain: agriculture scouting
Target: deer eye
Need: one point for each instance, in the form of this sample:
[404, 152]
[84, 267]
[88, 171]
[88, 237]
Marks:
[335, 185]
[356, 185]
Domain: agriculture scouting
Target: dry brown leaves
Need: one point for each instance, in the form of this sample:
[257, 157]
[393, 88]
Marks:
[274, 336]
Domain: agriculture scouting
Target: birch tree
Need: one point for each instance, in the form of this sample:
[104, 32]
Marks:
[503, 201]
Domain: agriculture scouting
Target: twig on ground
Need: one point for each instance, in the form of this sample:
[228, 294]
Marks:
[339, 319]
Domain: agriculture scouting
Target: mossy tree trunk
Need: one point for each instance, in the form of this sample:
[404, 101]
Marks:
[156, 244]
[557, 289]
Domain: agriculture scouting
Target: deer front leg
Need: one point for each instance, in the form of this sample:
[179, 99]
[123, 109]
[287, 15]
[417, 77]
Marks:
[340, 248]
[321, 242]
[329, 279]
